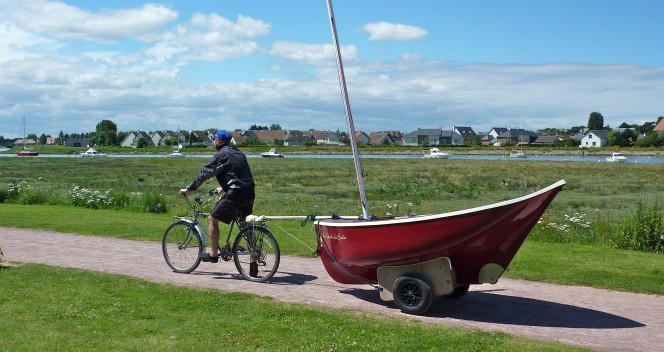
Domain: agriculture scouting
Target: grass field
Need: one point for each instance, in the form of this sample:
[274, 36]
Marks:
[602, 194]
[54, 309]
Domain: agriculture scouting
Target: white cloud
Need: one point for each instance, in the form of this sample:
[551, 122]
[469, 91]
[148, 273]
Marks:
[393, 32]
[146, 86]
[215, 38]
[16, 43]
[244, 27]
[68, 22]
[313, 53]
[400, 95]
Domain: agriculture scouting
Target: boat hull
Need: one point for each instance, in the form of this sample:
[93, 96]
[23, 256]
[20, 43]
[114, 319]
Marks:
[477, 241]
[27, 153]
[616, 160]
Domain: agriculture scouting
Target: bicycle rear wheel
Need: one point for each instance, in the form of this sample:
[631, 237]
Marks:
[256, 254]
[181, 247]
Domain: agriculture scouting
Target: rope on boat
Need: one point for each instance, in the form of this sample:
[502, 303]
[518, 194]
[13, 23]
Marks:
[297, 239]
[322, 244]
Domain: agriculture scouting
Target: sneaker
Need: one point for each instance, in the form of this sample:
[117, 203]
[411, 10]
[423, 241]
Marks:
[206, 257]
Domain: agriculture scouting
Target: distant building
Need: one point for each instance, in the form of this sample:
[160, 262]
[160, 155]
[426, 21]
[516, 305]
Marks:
[361, 137]
[548, 140]
[595, 139]
[380, 138]
[467, 133]
[132, 138]
[432, 137]
[79, 142]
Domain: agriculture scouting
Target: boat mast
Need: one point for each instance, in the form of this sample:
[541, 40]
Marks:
[349, 115]
[23, 127]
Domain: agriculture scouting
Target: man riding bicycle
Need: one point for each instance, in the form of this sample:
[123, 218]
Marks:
[232, 171]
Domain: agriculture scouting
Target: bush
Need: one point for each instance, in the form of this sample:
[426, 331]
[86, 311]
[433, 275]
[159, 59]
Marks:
[110, 199]
[33, 196]
[23, 193]
[643, 230]
[152, 203]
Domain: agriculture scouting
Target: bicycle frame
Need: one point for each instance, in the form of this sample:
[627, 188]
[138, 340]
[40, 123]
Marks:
[194, 221]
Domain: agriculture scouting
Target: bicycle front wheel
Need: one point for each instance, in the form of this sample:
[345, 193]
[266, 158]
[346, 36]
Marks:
[256, 254]
[181, 247]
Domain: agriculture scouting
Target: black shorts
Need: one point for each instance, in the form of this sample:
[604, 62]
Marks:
[237, 202]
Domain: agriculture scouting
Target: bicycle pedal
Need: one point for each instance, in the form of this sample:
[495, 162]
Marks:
[226, 257]
[225, 254]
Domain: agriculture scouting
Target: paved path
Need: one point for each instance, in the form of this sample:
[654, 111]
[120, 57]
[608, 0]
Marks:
[599, 319]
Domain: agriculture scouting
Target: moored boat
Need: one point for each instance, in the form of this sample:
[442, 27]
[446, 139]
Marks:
[272, 153]
[92, 152]
[26, 151]
[616, 158]
[518, 155]
[176, 152]
[435, 153]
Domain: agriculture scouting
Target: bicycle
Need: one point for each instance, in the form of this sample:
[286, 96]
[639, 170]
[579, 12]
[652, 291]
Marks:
[255, 251]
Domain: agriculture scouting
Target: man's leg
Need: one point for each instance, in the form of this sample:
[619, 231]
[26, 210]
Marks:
[213, 229]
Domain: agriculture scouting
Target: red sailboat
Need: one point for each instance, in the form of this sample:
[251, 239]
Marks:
[26, 151]
[415, 258]
[446, 252]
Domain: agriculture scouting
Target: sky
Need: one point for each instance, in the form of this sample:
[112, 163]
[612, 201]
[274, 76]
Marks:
[194, 65]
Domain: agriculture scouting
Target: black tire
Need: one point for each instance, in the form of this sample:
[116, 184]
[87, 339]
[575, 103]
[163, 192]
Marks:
[181, 247]
[459, 291]
[256, 254]
[412, 295]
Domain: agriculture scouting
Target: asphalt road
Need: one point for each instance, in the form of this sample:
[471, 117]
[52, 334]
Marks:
[594, 318]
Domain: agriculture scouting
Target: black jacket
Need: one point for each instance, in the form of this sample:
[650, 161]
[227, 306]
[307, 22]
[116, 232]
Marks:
[231, 168]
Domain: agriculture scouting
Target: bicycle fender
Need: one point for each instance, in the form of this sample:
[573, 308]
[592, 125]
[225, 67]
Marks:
[198, 228]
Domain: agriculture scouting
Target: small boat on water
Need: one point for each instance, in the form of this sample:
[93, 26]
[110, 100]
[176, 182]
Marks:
[92, 152]
[435, 153]
[616, 158]
[176, 153]
[26, 151]
[517, 154]
[272, 153]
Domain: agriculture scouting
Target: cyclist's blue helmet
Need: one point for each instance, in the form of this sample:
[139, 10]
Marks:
[223, 135]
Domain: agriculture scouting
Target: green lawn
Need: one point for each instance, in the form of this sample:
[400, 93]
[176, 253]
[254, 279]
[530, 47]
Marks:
[55, 309]
[114, 313]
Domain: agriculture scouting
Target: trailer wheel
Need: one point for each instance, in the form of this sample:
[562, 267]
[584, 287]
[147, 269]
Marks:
[459, 291]
[412, 295]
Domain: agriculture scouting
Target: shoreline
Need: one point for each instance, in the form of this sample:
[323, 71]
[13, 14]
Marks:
[387, 151]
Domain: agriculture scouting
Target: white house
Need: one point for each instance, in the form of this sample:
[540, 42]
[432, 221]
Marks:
[595, 139]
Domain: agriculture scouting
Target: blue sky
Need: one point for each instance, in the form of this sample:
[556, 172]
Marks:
[65, 66]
